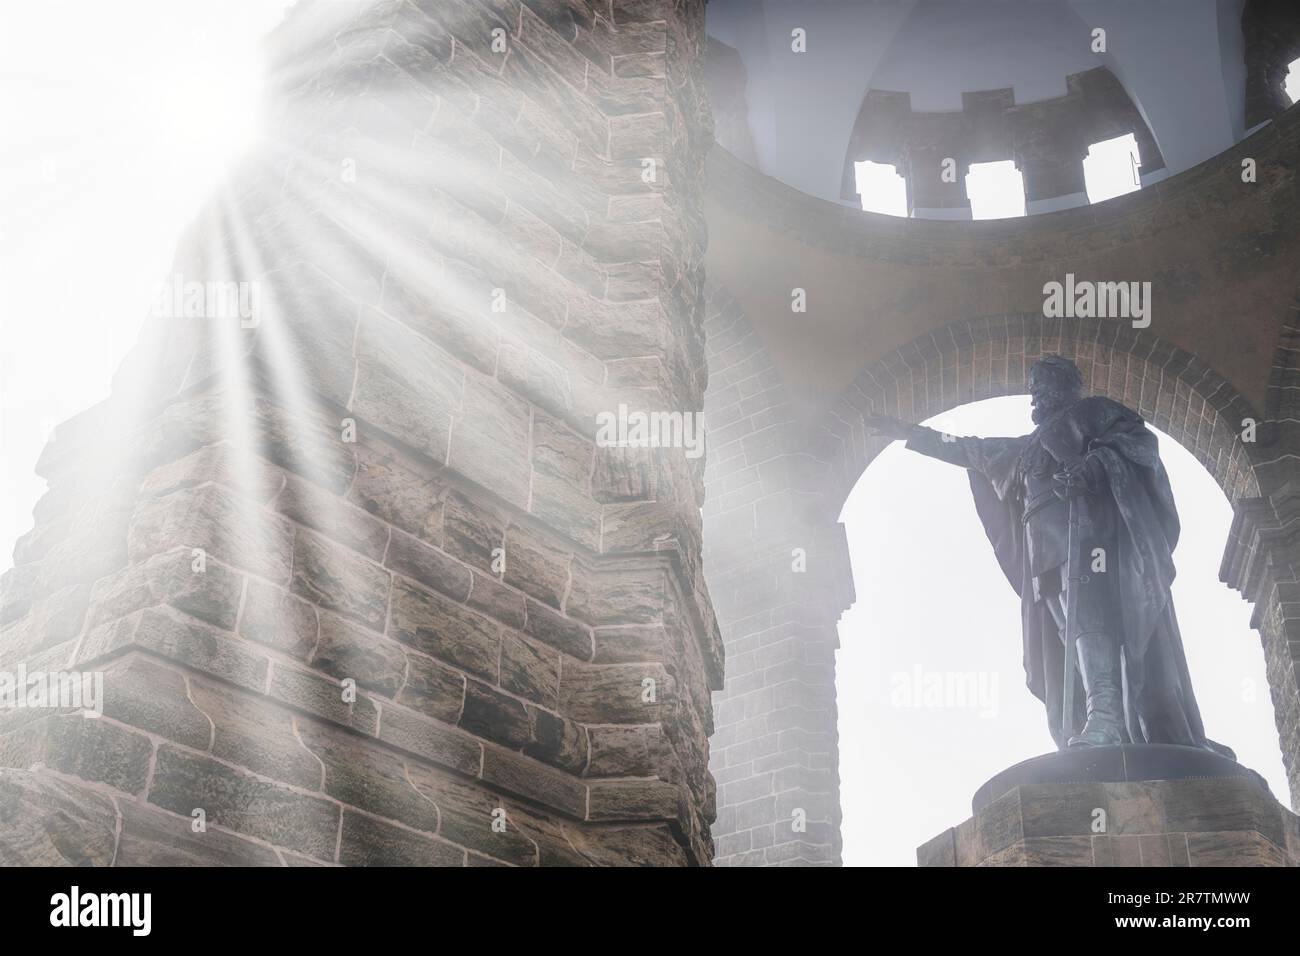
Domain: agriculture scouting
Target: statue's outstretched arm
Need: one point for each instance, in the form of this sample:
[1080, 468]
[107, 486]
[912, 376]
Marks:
[927, 441]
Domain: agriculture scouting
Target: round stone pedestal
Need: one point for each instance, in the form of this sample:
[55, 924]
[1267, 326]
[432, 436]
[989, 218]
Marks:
[1125, 763]
[1127, 805]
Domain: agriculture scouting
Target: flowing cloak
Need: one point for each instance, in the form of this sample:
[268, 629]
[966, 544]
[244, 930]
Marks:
[1159, 706]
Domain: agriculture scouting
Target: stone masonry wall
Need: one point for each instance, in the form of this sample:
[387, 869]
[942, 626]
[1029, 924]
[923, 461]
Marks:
[779, 572]
[362, 586]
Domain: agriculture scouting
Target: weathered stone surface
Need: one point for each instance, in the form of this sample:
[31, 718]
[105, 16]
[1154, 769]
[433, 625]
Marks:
[48, 822]
[253, 732]
[363, 774]
[433, 741]
[428, 566]
[1227, 821]
[278, 619]
[321, 696]
[333, 578]
[346, 651]
[434, 625]
[535, 567]
[490, 440]
[151, 837]
[385, 483]
[530, 669]
[241, 802]
[369, 842]
[406, 385]
[211, 594]
[391, 491]
[214, 519]
[466, 817]
[433, 688]
[313, 506]
[142, 693]
[492, 715]
[88, 748]
[560, 632]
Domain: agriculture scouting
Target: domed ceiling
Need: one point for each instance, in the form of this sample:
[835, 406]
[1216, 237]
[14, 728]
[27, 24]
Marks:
[791, 114]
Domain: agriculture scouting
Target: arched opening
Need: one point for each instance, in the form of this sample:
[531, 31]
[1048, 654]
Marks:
[929, 675]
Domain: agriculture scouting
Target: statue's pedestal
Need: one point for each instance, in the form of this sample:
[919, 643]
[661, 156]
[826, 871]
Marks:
[1122, 806]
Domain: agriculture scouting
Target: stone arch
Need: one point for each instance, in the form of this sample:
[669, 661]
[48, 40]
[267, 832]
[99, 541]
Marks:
[990, 356]
[774, 484]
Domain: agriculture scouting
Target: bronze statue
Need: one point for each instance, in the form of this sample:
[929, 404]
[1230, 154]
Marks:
[1083, 523]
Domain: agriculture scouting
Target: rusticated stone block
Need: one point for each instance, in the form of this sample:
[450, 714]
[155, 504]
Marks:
[144, 694]
[224, 525]
[560, 632]
[536, 568]
[334, 578]
[557, 741]
[85, 747]
[406, 385]
[313, 506]
[432, 688]
[428, 566]
[494, 716]
[236, 468]
[211, 594]
[238, 801]
[346, 651]
[614, 693]
[151, 837]
[496, 600]
[530, 669]
[252, 732]
[431, 740]
[433, 625]
[275, 618]
[168, 634]
[369, 842]
[473, 531]
[322, 697]
[528, 778]
[50, 822]
[633, 800]
[466, 817]
[490, 442]
[363, 774]
[391, 491]
[629, 751]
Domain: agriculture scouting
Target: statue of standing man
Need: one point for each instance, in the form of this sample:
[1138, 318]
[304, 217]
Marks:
[1083, 503]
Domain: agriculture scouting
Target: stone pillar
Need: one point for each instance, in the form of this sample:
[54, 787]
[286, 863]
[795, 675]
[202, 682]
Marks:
[930, 193]
[779, 575]
[363, 582]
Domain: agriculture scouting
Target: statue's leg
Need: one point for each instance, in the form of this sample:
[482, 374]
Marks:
[1099, 666]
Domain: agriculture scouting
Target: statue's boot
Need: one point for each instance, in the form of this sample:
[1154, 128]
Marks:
[1099, 667]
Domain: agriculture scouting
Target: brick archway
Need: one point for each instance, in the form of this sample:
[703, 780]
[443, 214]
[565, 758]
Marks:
[775, 486]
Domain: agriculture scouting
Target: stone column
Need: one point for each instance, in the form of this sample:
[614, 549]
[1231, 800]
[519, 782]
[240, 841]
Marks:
[779, 574]
[933, 193]
[363, 581]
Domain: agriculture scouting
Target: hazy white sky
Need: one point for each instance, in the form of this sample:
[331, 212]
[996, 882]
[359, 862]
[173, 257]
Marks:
[932, 602]
[118, 119]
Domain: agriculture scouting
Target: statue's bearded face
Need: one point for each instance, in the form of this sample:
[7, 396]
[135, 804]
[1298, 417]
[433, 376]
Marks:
[1050, 390]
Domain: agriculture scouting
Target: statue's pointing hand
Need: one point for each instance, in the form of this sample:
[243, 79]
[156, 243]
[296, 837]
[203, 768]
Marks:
[890, 427]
